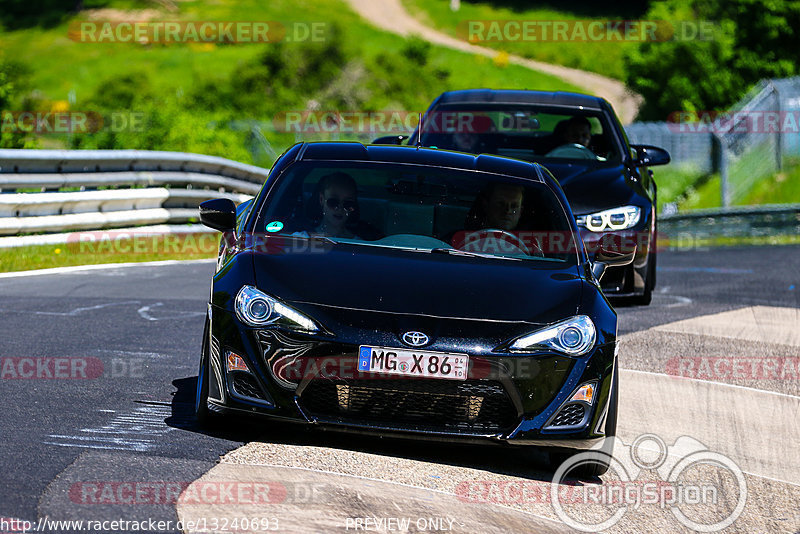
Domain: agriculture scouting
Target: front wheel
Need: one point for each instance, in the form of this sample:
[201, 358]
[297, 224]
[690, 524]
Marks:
[601, 462]
[204, 416]
[645, 298]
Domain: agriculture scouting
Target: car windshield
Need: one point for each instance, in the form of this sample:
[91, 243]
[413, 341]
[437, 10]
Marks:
[464, 213]
[531, 133]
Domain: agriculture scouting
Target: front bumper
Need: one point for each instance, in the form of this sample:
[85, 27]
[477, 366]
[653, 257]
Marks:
[313, 379]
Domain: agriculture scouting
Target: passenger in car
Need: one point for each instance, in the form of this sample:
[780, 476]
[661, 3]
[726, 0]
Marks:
[334, 210]
[338, 200]
[472, 134]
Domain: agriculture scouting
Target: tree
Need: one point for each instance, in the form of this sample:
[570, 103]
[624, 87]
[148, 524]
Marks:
[750, 40]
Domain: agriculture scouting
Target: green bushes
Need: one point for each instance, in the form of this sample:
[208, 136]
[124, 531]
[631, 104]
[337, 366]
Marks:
[213, 116]
[12, 78]
[750, 41]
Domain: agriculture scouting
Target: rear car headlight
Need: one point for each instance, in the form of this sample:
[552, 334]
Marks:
[575, 336]
[256, 308]
[614, 219]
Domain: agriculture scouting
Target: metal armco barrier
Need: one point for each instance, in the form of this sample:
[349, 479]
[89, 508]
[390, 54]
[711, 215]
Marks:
[110, 189]
[745, 221]
[51, 191]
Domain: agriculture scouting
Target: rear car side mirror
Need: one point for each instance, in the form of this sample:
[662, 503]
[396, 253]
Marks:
[390, 140]
[612, 252]
[650, 155]
[219, 214]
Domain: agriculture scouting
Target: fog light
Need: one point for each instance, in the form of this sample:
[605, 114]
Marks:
[234, 362]
[584, 394]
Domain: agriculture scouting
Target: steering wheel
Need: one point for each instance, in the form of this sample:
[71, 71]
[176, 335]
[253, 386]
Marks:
[573, 151]
[506, 236]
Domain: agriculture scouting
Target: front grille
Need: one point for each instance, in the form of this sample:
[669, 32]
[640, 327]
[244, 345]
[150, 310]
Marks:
[246, 386]
[415, 404]
[570, 415]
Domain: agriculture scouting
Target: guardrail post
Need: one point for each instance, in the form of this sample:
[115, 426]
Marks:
[721, 166]
[778, 133]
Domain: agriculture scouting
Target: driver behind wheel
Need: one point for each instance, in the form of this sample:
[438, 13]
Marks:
[499, 208]
[576, 136]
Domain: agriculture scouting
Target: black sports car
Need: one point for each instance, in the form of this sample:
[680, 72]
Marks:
[410, 291]
[580, 140]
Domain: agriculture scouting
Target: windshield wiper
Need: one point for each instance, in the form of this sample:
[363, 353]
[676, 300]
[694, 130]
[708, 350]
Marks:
[323, 238]
[456, 252]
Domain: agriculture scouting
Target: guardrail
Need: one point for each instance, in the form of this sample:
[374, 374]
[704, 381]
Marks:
[55, 191]
[155, 191]
[746, 221]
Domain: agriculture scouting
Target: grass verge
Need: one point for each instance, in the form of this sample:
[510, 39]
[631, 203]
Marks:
[135, 249]
[603, 57]
[59, 65]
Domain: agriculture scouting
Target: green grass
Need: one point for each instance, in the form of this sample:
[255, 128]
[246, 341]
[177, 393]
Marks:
[60, 65]
[673, 182]
[777, 188]
[728, 241]
[705, 196]
[780, 188]
[138, 249]
[604, 57]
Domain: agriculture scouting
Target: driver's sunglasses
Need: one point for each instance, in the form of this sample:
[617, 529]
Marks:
[347, 205]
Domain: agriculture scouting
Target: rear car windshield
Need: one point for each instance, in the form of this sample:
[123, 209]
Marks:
[419, 207]
[525, 132]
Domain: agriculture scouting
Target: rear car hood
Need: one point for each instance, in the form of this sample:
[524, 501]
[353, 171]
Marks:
[583, 184]
[385, 280]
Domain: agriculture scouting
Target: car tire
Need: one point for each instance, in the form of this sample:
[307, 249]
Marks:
[205, 417]
[600, 465]
[647, 297]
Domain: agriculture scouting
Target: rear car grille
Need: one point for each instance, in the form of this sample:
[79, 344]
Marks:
[570, 415]
[246, 386]
[413, 404]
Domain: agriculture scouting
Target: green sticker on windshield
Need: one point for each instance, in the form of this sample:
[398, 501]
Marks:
[275, 226]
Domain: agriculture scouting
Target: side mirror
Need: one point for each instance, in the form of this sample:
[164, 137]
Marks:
[612, 253]
[650, 155]
[390, 140]
[219, 214]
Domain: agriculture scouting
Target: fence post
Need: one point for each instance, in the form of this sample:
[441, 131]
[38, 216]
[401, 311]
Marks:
[779, 133]
[721, 166]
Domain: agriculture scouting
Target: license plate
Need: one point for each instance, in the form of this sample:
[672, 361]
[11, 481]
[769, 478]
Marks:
[413, 363]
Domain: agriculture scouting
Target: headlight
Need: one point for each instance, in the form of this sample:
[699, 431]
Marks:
[575, 336]
[613, 219]
[255, 308]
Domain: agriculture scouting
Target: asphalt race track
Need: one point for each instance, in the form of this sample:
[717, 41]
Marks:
[98, 375]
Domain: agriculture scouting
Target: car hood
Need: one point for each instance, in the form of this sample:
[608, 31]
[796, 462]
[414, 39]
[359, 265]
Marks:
[590, 188]
[382, 279]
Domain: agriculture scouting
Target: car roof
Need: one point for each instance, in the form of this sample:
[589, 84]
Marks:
[352, 151]
[513, 96]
